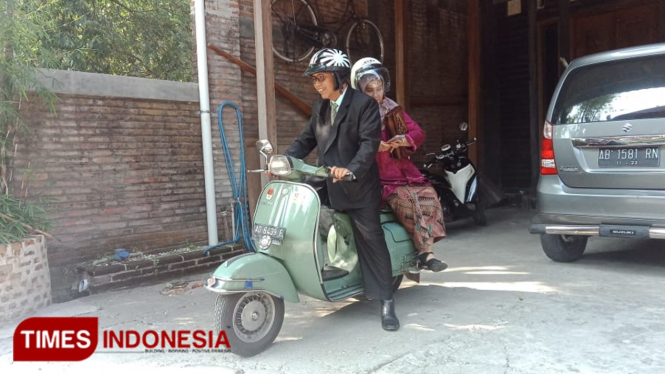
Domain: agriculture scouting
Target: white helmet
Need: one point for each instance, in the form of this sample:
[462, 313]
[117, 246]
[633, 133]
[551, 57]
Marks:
[366, 70]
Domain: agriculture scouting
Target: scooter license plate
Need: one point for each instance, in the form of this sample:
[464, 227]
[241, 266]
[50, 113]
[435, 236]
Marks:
[276, 234]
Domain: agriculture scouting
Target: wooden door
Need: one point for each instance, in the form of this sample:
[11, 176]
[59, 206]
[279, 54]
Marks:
[637, 26]
[619, 28]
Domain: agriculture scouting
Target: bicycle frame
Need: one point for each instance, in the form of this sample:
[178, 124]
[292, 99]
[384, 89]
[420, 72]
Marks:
[300, 37]
[341, 21]
[316, 34]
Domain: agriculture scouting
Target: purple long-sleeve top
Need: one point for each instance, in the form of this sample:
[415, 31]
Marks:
[394, 172]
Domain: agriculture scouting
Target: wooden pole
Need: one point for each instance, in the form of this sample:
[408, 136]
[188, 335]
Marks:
[662, 21]
[491, 159]
[299, 104]
[265, 96]
[534, 128]
[265, 73]
[564, 32]
[401, 32]
[474, 74]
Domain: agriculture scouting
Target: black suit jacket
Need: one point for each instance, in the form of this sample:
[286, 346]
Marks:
[351, 142]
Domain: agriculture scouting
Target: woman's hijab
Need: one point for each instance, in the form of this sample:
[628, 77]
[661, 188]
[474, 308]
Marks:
[386, 104]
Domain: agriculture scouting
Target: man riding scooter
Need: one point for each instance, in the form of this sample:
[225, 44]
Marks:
[346, 127]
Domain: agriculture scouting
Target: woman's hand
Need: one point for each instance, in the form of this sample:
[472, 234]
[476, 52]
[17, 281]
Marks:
[383, 147]
[399, 143]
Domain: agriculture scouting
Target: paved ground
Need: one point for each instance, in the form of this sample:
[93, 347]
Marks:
[502, 307]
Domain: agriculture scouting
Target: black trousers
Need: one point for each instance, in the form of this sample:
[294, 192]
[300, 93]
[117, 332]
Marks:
[372, 252]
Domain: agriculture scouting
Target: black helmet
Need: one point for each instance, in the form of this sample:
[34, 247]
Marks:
[332, 60]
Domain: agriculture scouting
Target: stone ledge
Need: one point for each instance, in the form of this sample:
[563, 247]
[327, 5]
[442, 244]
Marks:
[101, 278]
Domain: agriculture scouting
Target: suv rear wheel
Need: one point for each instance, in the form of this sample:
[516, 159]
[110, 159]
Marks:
[563, 248]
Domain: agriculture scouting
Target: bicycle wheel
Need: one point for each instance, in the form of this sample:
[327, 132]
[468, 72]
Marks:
[288, 16]
[364, 40]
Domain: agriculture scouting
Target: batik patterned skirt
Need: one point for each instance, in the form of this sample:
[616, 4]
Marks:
[418, 209]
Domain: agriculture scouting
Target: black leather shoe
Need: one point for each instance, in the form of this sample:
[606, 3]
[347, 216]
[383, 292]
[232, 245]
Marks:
[389, 320]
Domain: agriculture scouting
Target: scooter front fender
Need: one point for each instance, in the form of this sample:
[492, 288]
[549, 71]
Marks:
[253, 272]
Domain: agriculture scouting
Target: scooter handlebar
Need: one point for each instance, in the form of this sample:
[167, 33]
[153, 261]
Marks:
[350, 177]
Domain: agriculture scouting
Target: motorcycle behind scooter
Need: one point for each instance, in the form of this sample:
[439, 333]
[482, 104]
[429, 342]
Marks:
[457, 187]
[292, 257]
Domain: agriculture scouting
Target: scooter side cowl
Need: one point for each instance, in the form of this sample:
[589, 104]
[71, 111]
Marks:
[253, 272]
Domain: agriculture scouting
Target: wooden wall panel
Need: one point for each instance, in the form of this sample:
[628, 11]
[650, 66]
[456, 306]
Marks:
[616, 28]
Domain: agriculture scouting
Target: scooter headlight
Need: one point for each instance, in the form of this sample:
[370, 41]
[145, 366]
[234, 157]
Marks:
[280, 165]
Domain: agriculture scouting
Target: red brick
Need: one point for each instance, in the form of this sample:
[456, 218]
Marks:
[183, 265]
[193, 255]
[208, 259]
[126, 275]
[169, 260]
[108, 269]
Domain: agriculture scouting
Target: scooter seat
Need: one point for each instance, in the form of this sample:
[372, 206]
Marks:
[387, 215]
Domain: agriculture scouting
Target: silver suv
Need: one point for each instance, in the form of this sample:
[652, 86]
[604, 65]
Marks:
[602, 172]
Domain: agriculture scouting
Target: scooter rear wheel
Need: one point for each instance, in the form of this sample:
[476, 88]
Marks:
[250, 320]
[479, 216]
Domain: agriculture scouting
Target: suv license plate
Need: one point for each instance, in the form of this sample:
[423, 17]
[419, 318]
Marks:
[275, 233]
[634, 157]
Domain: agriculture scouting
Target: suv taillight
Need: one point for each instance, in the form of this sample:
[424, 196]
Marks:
[547, 165]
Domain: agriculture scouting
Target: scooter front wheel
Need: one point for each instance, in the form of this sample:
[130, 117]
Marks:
[250, 320]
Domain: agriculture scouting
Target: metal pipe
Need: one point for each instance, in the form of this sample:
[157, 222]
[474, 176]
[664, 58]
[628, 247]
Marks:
[573, 230]
[206, 132]
[657, 233]
[225, 218]
[233, 219]
[586, 230]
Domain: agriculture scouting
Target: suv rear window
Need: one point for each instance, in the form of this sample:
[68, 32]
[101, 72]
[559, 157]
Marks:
[618, 90]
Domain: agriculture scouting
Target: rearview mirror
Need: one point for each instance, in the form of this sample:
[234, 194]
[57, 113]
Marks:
[463, 126]
[264, 146]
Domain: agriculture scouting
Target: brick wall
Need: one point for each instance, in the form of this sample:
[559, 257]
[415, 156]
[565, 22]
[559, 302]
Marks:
[225, 83]
[122, 162]
[25, 283]
[160, 266]
[437, 74]
[124, 173]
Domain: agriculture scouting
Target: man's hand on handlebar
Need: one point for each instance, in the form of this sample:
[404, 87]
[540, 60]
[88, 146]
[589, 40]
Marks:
[338, 173]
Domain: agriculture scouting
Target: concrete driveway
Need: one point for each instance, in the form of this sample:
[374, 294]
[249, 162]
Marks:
[501, 307]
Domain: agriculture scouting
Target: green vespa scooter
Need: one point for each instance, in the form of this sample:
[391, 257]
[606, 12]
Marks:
[292, 258]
